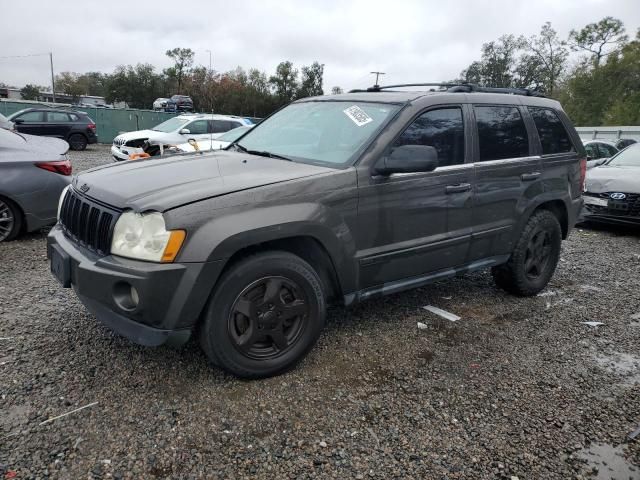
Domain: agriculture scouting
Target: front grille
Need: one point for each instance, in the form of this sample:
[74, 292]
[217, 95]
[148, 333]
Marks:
[87, 222]
[118, 141]
[629, 207]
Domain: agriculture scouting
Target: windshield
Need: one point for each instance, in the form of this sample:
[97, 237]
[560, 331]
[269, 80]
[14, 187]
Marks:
[629, 157]
[170, 125]
[328, 133]
[233, 135]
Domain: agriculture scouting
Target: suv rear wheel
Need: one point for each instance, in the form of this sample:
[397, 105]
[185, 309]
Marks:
[266, 313]
[77, 141]
[534, 258]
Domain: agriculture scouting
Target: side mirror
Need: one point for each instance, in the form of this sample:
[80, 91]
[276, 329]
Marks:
[589, 158]
[408, 159]
[185, 131]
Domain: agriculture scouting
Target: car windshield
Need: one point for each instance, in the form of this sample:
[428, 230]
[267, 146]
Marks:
[170, 125]
[329, 133]
[629, 157]
[233, 135]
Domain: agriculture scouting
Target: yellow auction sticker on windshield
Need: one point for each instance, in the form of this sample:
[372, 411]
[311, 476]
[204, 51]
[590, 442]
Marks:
[357, 115]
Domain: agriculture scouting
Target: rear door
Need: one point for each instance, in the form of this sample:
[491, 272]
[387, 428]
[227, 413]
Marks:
[199, 130]
[507, 174]
[218, 127]
[58, 124]
[411, 224]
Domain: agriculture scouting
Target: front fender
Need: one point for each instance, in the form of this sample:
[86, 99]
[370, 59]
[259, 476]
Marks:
[234, 229]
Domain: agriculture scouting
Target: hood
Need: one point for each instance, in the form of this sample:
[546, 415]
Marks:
[20, 146]
[164, 183]
[613, 179]
[135, 135]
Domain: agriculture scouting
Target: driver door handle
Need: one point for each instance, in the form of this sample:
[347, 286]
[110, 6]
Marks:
[459, 188]
[529, 177]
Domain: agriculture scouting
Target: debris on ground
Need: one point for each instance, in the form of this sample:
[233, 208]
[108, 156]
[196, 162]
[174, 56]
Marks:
[593, 324]
[68, 413]
[443, 313]
[422, 326]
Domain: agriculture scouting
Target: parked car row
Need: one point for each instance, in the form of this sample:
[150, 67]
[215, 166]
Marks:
[177, 103]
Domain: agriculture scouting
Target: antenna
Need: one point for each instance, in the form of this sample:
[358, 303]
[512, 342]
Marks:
[377, 74]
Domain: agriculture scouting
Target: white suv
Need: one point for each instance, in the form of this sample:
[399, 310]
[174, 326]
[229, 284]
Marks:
[175, 131]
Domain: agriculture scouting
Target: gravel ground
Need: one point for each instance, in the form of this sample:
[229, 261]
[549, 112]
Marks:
[516, 388]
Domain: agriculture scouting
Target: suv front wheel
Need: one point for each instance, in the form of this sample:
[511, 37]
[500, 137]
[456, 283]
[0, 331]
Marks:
[535, 257]
[266, 313]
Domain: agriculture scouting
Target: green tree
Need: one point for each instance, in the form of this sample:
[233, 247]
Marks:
[183, 60]
[551, 53]
[285, 82]
[70, 84]
[311, 81]
[138, 86]
[336, 90]
[30, 92]
[599, 39]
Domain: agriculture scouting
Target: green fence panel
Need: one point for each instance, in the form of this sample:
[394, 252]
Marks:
[109, 121]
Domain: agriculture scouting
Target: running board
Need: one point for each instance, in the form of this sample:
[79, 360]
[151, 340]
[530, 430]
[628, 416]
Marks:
[415, 282]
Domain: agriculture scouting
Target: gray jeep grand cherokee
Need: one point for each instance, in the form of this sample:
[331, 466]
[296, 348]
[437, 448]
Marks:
[341, 197]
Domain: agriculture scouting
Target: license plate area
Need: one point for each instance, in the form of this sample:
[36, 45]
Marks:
[598, 202]
[61, 266]
[618, 206]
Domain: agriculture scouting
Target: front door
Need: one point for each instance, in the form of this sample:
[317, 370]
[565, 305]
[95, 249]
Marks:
[506, 175]
[412, 224]
[32, 123]
[198, 130]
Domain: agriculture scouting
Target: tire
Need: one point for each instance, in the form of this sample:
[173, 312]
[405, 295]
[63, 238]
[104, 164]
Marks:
[266, 313]
[534, 258]
[10, 220]
[77, 141]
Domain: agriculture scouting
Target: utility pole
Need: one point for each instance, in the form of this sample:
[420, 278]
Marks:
[53, 83]
[377, 74]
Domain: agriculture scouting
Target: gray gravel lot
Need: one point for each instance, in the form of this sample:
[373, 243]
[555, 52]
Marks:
[517, 388]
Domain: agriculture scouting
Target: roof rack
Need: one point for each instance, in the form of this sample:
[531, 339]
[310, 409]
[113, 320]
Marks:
[458, 87]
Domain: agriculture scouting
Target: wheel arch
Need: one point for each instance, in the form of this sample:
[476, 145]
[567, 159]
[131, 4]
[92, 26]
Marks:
[23, 217]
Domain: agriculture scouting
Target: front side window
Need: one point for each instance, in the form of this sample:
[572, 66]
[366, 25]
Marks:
[198, 127]
[57, 117]
[442, 129]
[171, 125]
[330, 133]
[607, 150]
[31, 117]
[501, 133]
[592, 151]
[553, 136]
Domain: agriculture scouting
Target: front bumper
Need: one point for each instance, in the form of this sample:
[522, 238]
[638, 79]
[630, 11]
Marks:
[600, 208]
[122, 153]
[170, 296]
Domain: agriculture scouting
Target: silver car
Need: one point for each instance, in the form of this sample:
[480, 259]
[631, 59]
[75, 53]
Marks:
[33, 173]
[613, 189]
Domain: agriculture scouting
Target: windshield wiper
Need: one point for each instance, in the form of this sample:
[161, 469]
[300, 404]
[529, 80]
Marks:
[262, 153]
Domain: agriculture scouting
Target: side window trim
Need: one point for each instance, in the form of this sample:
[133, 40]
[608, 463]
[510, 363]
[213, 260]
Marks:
[465, 125]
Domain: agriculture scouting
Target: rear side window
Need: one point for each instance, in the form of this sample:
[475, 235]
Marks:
[219, 126]
[442, 129]
[31, 117]
[501, 133]
[57, 117]
[553, 136]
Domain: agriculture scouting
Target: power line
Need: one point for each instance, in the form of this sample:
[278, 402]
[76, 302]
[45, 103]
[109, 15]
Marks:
[25, 56]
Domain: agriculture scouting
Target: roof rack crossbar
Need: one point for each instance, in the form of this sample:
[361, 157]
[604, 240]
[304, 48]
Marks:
[453, 87]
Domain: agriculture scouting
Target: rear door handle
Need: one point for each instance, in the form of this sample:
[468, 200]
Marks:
[459, 188]
[529, 177]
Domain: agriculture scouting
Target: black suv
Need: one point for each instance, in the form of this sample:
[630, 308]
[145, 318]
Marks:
[74, 127]
[179, 103]
[342, 197]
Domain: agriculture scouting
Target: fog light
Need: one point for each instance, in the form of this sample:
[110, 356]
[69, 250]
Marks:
[125, 296]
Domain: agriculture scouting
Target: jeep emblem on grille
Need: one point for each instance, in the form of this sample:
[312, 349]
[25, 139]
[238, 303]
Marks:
[84, 188]
[617, 196]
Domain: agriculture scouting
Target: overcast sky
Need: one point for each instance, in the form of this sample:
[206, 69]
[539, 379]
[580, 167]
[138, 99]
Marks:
[410, 40]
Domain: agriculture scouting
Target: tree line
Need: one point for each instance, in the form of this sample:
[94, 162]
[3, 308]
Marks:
[238, 92]
[598, 85]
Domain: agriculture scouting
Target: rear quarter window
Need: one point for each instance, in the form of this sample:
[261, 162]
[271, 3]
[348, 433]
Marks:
[554, 138]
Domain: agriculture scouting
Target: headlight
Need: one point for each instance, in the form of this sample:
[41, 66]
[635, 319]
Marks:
[64, 192]
[144, 237]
